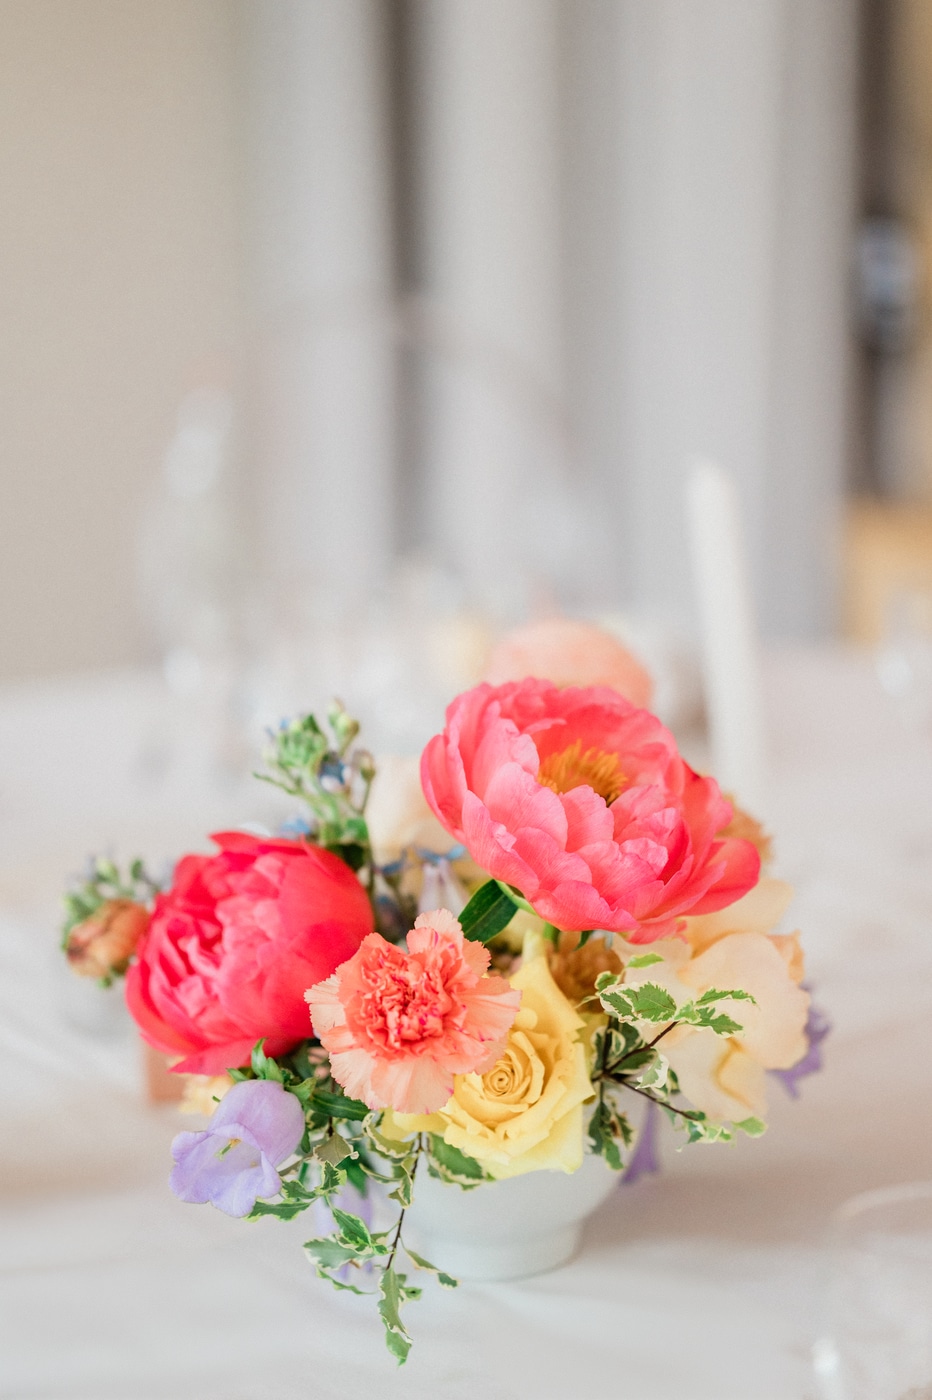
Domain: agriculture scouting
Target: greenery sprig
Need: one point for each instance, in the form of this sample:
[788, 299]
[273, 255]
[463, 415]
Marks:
[343, 1144]
[626, 1059]
[330, 776]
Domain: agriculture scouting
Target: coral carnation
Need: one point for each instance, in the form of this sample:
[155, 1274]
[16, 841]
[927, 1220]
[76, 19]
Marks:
[398, 1026]
[582, 802]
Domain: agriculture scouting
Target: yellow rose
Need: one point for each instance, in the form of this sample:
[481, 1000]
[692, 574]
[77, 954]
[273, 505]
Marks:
[525, 1113]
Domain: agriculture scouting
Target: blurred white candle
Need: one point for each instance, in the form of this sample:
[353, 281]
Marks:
[730, 656]
[323, 276]
[487, 199]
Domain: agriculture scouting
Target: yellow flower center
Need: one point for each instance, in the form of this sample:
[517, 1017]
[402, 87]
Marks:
[509, 1080]
[571, 768]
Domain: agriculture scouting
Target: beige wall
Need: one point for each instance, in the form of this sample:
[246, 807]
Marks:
[119, 277]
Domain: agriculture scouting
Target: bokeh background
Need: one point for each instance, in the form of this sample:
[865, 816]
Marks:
[336, 311]
[336, 338]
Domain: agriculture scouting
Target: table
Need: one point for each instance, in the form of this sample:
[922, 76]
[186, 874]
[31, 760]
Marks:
[701, 1284]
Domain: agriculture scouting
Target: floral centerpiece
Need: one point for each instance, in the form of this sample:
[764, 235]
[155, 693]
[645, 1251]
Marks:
[566, 920]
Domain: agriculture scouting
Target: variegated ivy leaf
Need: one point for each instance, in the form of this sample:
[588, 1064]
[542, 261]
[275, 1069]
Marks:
[644, 1002]
[354, 1232]
[403, 1176]
[385, 1146]
[392, 1293]
[609, 1130]
[655, 1074]
[452, 1166]
[419, 1262]
[644, 960]
[334, 1149]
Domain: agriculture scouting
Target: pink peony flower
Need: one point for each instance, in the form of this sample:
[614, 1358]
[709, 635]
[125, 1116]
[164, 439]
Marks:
[399, 1025]
[233, 944]
[582, 802]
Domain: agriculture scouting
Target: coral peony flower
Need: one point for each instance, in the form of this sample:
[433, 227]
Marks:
[523, 1113]
[399, 1025]
[234, 943]
[569, 653]
[582, 802]
[103, 944]
[233, 1162]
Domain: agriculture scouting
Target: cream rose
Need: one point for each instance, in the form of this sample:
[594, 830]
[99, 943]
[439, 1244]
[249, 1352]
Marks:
[724, 1075]
[525, 1113]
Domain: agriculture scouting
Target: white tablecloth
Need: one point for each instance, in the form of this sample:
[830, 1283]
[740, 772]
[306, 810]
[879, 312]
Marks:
[700, 1284]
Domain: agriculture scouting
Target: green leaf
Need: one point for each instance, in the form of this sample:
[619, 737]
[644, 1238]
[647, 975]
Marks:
[723, 1025]
[584, 937]
[451, 1165]
[487, 913]
[606, 981]
[353, 1230]
[634, 1060]
[385, 1146]
[644, 960]
[403, 1176]
[656, 1074]
[332, 1178]
[334, 1149]
[714, 994]
[330, 1253]
[282, 1210]
[339, 1106]
[341, 1286]
[754, 1127]
[265, 1068]
[357, 1174]
[390, 1300]
[419, 1262]
[618, 1003]
[607, 1129]
[652, 1003]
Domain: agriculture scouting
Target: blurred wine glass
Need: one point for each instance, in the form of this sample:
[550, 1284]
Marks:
[192, 576]
[904, 657]
[878, 1340]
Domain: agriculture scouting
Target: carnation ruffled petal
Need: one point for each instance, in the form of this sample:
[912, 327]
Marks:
[398, 1025]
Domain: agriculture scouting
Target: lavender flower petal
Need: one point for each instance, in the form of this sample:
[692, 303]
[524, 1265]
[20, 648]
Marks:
[273, 1116]
[645, 1159]
[818, 1028]
[231, 1177]
[232, 1162]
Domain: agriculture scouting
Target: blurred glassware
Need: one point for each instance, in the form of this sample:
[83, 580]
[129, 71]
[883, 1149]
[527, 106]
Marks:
[904, 657]
[192, 569]
[878, 1340]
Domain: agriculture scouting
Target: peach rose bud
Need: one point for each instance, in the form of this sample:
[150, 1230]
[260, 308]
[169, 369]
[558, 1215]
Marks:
[567, 652]
[103, 944]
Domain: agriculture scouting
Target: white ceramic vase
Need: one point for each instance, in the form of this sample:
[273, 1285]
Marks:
[507, 1229]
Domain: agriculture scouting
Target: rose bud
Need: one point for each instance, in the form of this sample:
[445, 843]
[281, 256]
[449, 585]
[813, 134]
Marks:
[103, 944]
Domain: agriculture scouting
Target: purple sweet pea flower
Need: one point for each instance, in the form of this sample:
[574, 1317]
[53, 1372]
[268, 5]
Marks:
[257, 1125]
[818, 1028]
[645, 1159]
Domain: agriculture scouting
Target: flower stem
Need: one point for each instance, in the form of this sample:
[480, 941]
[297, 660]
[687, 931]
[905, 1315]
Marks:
[401, 1218]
